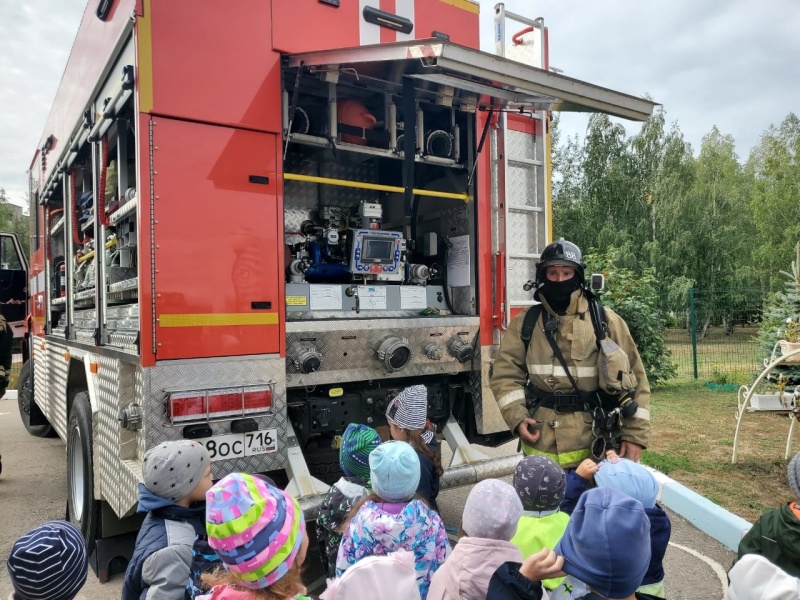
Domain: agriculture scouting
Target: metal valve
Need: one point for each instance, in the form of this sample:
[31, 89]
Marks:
[418, 273]
[394, 353]
[434, 351]
[130, 417]
[462, 351]
[307, 359]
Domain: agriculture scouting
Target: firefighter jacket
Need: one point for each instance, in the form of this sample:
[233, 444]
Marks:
[566, 438]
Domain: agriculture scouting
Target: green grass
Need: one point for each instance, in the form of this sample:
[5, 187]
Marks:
[692, 442]
[666, 464]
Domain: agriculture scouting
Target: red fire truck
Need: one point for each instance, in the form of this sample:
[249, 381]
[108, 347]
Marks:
[256, 220]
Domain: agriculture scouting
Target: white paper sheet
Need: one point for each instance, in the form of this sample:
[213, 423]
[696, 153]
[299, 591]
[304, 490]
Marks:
[372, 297]
[413, 297]
[458, 271]
[325, 297]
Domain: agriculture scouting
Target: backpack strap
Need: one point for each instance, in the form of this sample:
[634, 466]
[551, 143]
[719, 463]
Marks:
[597, 312]
[528, 325]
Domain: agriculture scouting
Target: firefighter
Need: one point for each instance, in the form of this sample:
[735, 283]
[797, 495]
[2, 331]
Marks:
[591, 406]
[6, 338]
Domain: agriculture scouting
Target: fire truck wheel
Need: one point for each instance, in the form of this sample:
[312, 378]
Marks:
[25, 401]
[82, 508]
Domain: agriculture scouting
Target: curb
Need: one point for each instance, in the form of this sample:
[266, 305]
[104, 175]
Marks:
[720, 524]
[11, 395]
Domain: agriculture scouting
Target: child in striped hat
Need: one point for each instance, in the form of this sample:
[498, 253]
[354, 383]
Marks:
[358, 441]
[407, 415]
[259, 533]
[48, 562]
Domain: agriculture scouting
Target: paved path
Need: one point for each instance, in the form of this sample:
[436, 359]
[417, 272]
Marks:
[33, 490]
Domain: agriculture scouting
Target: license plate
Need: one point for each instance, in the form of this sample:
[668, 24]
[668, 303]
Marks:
[240, 445]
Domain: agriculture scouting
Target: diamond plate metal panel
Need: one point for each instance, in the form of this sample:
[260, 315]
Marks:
[303, 200]
[300, 199]
[139, 386]
[115, 389]
[523, 185]
[457, 220]
[352, 167]
[520, 271]
[349, 351]
[50, 383]
[40, 383]
[59, 370]
[521, 145]
[523, 233]
[217, 373]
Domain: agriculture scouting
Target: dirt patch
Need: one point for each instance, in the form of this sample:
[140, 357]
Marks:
[692, 442]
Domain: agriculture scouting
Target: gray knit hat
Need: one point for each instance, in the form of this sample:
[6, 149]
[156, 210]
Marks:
[793, 475]
[173, 469]
[492, 511]
[540, 483]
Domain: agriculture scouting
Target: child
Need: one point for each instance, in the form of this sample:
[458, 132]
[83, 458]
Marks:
[755, 578]
[634, 480]
[407, 414]
[390, 519]
[259, 533]
[776, 533]
[205, 559]
[363, 580]
[540, 484]
[606, 546]
[177, 476]
[358, 441]
[491, 514]
[49, 562]
[578, 482]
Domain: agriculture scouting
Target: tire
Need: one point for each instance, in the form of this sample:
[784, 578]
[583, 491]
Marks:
[25, 401]
[82, 508]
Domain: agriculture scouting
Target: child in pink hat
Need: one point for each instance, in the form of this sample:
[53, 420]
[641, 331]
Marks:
[259, 534]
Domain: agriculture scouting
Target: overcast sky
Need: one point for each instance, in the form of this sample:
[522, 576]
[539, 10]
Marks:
[731, 63]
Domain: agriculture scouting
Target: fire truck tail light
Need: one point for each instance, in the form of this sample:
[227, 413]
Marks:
[257, 399]
[224, 403]
[187, 407]
[219, 404]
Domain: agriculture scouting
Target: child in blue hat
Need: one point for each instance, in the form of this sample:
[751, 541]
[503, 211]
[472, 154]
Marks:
[391, 518]
[636, 481]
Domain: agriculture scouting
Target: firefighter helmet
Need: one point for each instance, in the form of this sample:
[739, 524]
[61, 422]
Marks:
[562, 253]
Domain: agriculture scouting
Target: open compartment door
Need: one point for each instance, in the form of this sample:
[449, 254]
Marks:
[472, 76]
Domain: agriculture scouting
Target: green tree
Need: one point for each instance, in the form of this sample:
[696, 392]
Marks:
[10, 222]
[636, 299]
[774, 169]
[782, 305]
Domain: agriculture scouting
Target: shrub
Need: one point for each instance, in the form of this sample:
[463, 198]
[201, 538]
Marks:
[636, 300]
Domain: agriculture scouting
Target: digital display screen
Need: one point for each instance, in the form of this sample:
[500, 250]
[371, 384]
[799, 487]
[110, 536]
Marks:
[377, 249]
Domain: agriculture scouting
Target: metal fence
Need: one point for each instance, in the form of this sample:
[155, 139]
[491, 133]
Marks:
[712, 336]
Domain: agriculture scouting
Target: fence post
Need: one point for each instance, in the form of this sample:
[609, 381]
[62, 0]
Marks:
[693, 326]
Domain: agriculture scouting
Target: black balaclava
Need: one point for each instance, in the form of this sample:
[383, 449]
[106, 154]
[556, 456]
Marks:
[558, 293]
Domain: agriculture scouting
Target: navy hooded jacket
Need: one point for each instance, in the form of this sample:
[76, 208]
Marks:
[160, 566]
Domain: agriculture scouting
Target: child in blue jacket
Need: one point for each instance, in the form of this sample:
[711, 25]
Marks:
[637, 482]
